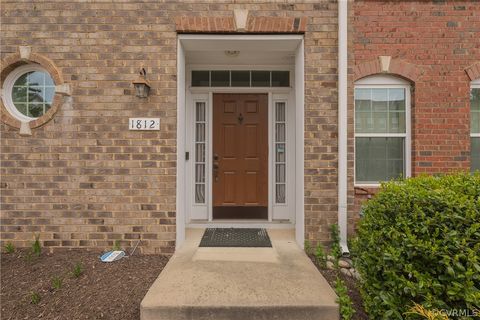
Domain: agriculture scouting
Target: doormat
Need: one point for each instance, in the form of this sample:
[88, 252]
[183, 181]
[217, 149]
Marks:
[235, 237]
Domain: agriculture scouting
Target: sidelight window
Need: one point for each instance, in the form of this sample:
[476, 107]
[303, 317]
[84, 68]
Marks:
[280, 152]
[200, 151]
[475, 125]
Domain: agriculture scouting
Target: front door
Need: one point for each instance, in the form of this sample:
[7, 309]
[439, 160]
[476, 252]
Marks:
[240, 156]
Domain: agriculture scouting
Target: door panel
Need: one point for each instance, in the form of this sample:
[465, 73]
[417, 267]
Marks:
[240, 148]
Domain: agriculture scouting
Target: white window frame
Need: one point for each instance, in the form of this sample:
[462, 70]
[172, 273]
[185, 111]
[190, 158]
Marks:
[474, 85]
[8, 89]
[387, 82]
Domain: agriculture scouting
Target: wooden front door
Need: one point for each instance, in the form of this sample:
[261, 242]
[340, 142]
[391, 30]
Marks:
[240, 156]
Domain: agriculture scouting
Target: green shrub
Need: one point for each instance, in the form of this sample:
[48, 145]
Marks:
[345, 302]
[320, 256]
[307, 247]
[77, 270]
[57, 282]
[35, 297]
[9, 247]
[36, 247]
[419, 242]
[335, 251]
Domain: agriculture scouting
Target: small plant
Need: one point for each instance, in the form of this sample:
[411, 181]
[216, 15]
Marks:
[335, 251]
[57, 282]
[9, 248]
[116, 245]
[346, 305]
[35, 297]
[418, 309]
[28, 256]
[77, 270]
[320, 256]
[36, 247]
[308, 247]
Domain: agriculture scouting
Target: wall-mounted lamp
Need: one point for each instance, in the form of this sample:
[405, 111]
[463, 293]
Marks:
[142, 87]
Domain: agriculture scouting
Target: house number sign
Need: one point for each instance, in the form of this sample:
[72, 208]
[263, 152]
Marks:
[144, 124]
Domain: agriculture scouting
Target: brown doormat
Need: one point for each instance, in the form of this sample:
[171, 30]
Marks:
[235, 237]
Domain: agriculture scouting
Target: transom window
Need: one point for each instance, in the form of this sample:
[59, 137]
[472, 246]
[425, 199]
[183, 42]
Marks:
[240, 78]
[475, 125]
[382, 131]
[28, 92]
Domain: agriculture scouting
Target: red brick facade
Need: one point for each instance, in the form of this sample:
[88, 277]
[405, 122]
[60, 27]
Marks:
[435, 45]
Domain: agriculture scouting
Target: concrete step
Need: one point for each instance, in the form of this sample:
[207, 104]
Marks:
[240, 283]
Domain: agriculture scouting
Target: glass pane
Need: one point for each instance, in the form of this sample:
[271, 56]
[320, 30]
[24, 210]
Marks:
[220, 78]
[363, 99]
[280, 172]
[200, 152]
[379, 100]
[22, 80]
[280, 193]
[396, 122]
[199, 193]
[19, 94]
[48, 94]
[199, 173]
[240, 78]
[35, 109]
[35, 94]
[260, 78]
[475, 145]
[378, 159]
[280, 78]
[36, 78]
[475, 110]
[200, 78]
[280, 152]
[280, 112]
[22, 108]
[280, 132]
[47, 106]
[396, 99]
[200, 132]
[200, 111]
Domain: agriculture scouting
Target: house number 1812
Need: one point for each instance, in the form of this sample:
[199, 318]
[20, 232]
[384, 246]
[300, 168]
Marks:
[144, 124]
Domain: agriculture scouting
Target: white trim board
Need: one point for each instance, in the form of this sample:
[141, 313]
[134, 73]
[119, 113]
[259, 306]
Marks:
[291, 43]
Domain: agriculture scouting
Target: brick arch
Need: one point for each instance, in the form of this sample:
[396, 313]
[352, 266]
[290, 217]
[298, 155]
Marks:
[16, 60]
[387, 65]
[473, 71]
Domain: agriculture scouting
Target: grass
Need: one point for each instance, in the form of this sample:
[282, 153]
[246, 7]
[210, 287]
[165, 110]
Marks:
[9, 248]
[57, 282]
[36, 246]
[35, 297]
[77, 270]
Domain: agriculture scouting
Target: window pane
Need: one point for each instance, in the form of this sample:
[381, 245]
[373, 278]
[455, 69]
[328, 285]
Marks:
[200, 78]
[35, 109]
[280, 152]
[200, 132]
[280, 78]
[396, 98]
[378, 159]
[280, 111]
[200, 152]
[48, 94]
[22, 108]
[35, 94]
[200, 111]
[280, 132]
[475, 110]
[396, 122]
[260, 78]
[280, 193]
[22, 80]
[240, 78]
[36, 78]
[200, 173]
[19, 94]
[199, 193]
[475, 145]
[220, 78]
[280, 173]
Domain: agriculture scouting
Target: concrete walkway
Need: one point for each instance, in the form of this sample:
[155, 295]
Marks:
[240, 284]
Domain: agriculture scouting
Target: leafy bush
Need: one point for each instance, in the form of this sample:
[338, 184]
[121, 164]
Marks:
[346, 305]
[320, 256]
[419, 242]
[335, 251]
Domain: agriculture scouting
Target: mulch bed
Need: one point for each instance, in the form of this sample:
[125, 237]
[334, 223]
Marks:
[353, 291]
[102, 291]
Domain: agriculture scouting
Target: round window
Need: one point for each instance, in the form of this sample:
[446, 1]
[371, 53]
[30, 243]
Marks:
[28, 92]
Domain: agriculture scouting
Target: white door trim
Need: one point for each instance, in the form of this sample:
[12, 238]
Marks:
[293, 43]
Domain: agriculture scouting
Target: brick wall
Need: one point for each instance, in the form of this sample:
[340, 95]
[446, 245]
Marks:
[83, 179]
[439, 40]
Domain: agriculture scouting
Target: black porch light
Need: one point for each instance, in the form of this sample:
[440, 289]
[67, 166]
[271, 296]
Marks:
[142, 86]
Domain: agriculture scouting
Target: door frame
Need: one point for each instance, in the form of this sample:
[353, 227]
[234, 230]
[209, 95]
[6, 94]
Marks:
[298, 88]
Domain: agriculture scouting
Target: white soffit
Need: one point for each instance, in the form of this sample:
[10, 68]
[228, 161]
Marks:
[285, 43]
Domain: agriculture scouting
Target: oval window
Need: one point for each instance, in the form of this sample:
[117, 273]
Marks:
[28, 92]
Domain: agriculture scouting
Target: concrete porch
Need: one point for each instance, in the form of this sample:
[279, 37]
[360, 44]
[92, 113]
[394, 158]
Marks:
[240, 283]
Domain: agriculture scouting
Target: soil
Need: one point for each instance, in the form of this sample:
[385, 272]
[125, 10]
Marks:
[352, 285]
[103, 290]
